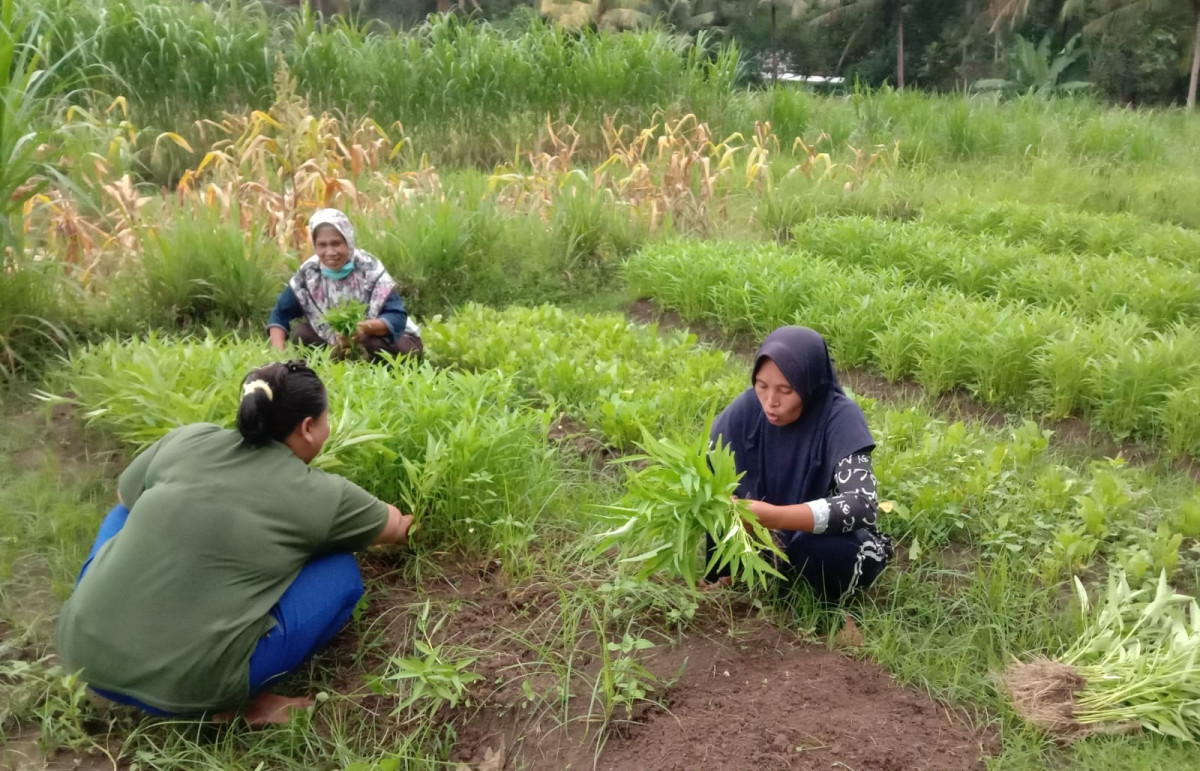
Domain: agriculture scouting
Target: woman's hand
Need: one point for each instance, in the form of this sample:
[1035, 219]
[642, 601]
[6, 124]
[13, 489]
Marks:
[369, 328]
[397, 528]
[796, 517]
[759, 509]
[278, 338]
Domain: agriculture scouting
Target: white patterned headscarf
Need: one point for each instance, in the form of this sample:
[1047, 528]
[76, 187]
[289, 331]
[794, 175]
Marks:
[368, 283]
[338, 219]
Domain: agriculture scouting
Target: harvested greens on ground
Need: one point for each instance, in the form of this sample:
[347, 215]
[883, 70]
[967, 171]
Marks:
[1135, 665]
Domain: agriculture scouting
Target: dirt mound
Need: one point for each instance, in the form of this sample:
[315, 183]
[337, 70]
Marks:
[734, 692]
[766, 701]
[760, 701]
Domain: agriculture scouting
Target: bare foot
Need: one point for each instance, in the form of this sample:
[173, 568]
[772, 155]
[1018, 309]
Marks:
[272, 709]
[265, 709]
[720, 583]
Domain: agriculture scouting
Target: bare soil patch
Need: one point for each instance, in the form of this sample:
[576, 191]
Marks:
[733, 692]
[767, 700]
[573, 436]
[21, 752]
[57, 432]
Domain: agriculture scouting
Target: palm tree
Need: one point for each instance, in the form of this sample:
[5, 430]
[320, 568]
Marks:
[798, 8]
[1116, 12]
[892, 10]
[1007, 12]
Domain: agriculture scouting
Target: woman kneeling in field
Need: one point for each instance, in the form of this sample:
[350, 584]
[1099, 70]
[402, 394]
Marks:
[340, 272]
[227, 563]
[806, 452]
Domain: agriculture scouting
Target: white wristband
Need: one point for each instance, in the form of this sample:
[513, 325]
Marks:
[820, 512]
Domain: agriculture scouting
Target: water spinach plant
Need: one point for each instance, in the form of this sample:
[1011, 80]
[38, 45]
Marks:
[344, 318]
[677, 495]
[1135, 664]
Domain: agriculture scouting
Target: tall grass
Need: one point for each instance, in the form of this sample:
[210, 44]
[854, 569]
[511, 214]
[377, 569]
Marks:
[36, 306]
[449, 80]
[453, 81]
[203, 268]
[32, 302]
[447, 251]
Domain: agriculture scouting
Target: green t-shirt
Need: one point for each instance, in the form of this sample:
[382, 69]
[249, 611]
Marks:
[171, 609]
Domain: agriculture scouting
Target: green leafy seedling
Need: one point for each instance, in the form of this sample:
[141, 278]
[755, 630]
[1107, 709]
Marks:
[344, 317]
[433, 680]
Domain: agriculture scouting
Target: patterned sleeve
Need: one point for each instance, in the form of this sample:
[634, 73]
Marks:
[854, 503]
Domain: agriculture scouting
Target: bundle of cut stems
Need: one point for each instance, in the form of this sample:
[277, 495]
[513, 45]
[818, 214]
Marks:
[1136, 664]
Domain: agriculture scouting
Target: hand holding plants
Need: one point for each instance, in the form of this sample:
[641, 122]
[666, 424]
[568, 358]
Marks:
[347, 321]
[367, 328]
[757, 508]
[682, 494]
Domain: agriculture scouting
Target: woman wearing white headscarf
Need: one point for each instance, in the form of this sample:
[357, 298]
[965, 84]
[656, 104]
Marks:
[338, 272]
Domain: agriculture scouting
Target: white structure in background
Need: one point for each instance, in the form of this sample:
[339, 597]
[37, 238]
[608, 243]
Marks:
[775, 69]
[812, 80]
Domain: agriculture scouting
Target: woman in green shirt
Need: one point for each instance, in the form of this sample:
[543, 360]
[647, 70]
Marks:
[227, 562]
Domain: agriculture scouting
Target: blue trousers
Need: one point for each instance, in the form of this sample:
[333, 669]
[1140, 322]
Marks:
[310, 612]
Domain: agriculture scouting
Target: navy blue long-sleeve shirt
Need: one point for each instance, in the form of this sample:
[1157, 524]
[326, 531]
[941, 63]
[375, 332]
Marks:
[287, 309]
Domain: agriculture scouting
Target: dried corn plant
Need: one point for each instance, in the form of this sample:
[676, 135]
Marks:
[667, 170]
[549, 172]
[286, 162]
[672, 170]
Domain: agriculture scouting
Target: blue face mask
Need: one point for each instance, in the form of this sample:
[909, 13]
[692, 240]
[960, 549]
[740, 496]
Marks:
[341, 272]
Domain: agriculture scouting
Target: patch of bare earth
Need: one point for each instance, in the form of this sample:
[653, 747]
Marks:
[58, 433]
[769, 701]
[732, 692]
[21, 752]
[573, 436]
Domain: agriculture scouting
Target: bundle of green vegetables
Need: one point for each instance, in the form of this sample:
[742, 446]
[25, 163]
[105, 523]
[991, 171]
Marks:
[344, 318]
[678, 493]
[1135, 665]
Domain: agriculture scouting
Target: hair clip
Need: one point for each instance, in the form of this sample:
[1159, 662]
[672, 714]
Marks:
[258, 385]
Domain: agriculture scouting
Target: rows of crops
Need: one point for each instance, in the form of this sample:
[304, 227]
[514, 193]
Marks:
[1036, 255]
[477, 433]
[880, 304]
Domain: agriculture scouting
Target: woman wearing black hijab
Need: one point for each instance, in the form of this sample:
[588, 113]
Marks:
[806, 452]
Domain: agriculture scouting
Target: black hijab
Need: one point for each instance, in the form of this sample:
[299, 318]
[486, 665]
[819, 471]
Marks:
[791, 464]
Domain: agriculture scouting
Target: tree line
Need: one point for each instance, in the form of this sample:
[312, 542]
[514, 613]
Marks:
[1129, 51]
